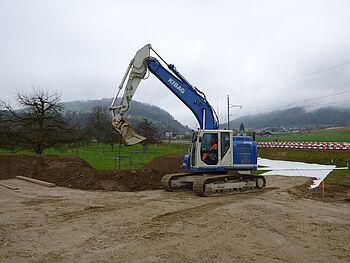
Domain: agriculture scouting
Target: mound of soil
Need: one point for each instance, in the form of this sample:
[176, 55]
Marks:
[74, 172]
[338, 193]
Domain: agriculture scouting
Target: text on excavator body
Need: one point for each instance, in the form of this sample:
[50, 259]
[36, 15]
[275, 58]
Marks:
[176, 85]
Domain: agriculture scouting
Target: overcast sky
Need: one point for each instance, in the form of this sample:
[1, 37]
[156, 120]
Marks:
[247, 49]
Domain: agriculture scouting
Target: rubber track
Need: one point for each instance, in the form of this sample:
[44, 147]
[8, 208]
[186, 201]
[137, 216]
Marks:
[198, 186]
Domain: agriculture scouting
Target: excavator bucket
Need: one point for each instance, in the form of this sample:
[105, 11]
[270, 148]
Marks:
[130, 137]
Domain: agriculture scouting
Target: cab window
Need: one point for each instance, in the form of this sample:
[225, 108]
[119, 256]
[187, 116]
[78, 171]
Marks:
[193, 152]
[209, 148]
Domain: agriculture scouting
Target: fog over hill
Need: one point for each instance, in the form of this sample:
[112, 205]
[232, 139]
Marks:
[294, 117]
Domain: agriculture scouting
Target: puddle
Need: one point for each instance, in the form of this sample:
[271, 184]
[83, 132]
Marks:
[287, 168]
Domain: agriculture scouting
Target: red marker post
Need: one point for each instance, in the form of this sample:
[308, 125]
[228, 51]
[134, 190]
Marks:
[322, 185]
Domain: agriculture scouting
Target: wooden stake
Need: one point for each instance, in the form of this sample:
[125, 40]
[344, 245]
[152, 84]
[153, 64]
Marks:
[35, 181]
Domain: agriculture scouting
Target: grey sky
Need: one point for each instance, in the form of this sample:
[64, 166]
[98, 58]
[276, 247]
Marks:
[82, 48]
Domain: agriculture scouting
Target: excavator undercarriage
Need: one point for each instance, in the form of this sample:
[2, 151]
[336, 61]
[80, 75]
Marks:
[213, 184]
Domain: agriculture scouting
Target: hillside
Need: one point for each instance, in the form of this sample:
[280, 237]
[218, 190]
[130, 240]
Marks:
[295, 117]
[137, 112]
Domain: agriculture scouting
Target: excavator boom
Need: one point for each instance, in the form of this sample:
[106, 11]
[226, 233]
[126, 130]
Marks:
[193, 98]
[135, 72]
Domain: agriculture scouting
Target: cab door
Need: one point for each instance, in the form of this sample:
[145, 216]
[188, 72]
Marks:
[225, 148]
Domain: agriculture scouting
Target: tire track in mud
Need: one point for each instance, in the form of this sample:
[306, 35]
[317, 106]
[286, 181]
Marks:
[163, 226]
[63, 217]
[197, 211]
[179, 215]
[38, 201]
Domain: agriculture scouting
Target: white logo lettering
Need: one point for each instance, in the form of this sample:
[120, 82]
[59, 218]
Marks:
[176, 85]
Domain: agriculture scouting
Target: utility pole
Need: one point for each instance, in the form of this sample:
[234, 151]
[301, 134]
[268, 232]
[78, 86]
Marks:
[228, 110]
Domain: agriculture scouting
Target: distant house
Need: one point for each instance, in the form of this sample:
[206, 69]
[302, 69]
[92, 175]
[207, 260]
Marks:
[257, 131]
[168, 135]
[265, 134]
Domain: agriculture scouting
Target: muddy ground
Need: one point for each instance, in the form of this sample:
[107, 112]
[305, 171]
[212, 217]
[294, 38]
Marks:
[39, 224]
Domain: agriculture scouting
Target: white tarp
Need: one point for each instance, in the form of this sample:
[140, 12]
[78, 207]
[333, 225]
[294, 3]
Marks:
[287, 168]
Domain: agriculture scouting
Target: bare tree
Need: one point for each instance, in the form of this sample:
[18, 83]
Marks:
[147, 129]
[38, 123]
[101, 127]
[8, 138]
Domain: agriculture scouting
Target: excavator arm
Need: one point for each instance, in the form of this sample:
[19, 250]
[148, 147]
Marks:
[136, 71]
[193, 98]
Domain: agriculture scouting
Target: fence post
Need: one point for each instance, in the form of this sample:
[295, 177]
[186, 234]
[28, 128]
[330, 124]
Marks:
[120, 144]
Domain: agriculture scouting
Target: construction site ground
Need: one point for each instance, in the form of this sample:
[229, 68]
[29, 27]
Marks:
[116, 218]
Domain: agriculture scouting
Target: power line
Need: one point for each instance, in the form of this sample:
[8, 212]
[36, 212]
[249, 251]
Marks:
[291, 79]
[315, 106]
[297, 102]
[337, 102]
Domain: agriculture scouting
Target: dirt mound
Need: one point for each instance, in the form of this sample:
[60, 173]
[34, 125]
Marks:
[331, 193]
[74, 172]
[166, 163]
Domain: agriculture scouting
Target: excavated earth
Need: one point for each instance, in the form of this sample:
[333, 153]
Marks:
[74, 172]
[59, 224]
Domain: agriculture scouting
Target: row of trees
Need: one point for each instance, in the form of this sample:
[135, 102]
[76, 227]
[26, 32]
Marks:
[40, 122]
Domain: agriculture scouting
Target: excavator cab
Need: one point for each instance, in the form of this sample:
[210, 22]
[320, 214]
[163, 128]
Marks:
[220, 150]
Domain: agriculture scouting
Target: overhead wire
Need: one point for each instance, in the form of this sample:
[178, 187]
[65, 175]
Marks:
[254, 110]
[312, 99]
[312, 106]
[329, 102]
[291, 79]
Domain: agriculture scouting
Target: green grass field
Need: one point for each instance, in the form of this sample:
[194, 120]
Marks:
[101, 156]
[325, 135]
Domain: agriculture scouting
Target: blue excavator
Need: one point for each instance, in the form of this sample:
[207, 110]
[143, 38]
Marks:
[218, 162]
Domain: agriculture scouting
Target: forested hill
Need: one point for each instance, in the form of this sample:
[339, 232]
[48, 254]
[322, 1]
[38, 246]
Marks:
[295, 117]
[137, 112]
